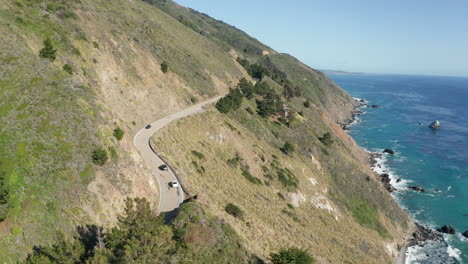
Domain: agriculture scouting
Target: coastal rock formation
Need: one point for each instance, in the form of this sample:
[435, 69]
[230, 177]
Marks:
[385, 180]
[465, 234]
[417, 188]
[435, 124]
[389, 151]
[447, 229]
[375, 106]
[423, 234]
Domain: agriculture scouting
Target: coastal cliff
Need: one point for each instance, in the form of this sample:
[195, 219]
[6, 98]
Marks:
[79, 78]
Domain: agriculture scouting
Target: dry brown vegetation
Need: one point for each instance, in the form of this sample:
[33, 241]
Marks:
[319, 220]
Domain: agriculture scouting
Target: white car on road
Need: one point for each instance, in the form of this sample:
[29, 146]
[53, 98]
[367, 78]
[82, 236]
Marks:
[174, 184]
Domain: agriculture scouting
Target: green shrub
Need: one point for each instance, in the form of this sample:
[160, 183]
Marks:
[292, 255]
[164, 67]
[287, 178]
[306, 104]
[234, 162]
[68, 68]
[95, 45]
[326, 139]
[113, 152]
[366, 215]
[4, 194]
[246, 88]
[119, 133]
[231, 101]
[198, 154]
[271, 103]
[100, 156]
[234, 210]
[287, 148]
[48, 50]
[290, 206]
[250, 177]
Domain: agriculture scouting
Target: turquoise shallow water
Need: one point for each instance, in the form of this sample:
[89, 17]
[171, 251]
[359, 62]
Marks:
[432, 159]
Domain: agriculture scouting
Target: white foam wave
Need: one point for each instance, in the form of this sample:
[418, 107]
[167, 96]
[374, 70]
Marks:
[454, 253]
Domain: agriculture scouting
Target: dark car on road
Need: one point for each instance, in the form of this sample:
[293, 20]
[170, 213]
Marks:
[164, 167]
[148, 126]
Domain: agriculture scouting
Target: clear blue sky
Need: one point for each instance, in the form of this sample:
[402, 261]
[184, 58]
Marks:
[375, 36]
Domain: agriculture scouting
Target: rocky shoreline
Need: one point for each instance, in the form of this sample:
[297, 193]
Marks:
[359, 103]
[423, 234]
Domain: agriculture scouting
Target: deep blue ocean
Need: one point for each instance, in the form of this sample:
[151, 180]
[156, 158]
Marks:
[434, 159]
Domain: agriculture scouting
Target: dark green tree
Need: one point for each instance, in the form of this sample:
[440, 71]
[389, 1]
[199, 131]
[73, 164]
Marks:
[257, 71]
[232, 101]
[292, 256]
[48, 51]
[140, 235]
[68, 68]
[246, 87]
[287, 148]
[4, 195]
[306, 104]
[164, 67]
[234, 210]
[269, 105]
[119, 133]
[100, 157]
[326, 139]
[289, 91]
[63, 251]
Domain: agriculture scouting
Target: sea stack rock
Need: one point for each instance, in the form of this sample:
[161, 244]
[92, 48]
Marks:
[389, 151]
[435, 124]
[447, 230]
[465, 234]
[375, 106]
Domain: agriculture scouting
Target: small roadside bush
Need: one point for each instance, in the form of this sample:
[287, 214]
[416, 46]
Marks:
[100, 157]
[292, 255]
[306, 104]
[48, 51]
[288, 148]
[234, 210]
[164, 67]
[68, 68]
[119, 133]
[231, 101]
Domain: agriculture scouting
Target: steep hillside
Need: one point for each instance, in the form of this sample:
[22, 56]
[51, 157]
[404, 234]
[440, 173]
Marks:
[321, 195]
[53, 120]
[79, 78]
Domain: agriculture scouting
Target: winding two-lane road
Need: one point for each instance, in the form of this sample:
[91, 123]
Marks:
[169, 198]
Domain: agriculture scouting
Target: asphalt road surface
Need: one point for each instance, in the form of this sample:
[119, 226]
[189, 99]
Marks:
[169, 198]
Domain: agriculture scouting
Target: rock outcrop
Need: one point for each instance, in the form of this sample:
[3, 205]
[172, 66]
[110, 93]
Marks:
[465, 234]
[447, 229]
[424, 234]
[435, 124]
[417, 188]
[389, 151]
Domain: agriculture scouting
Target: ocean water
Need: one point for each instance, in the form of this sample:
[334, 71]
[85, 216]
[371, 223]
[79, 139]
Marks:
[437, 160]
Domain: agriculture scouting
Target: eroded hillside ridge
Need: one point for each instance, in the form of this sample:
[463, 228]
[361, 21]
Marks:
[79, 78]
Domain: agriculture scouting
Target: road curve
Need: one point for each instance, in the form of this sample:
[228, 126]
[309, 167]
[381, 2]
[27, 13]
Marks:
[169, 198]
